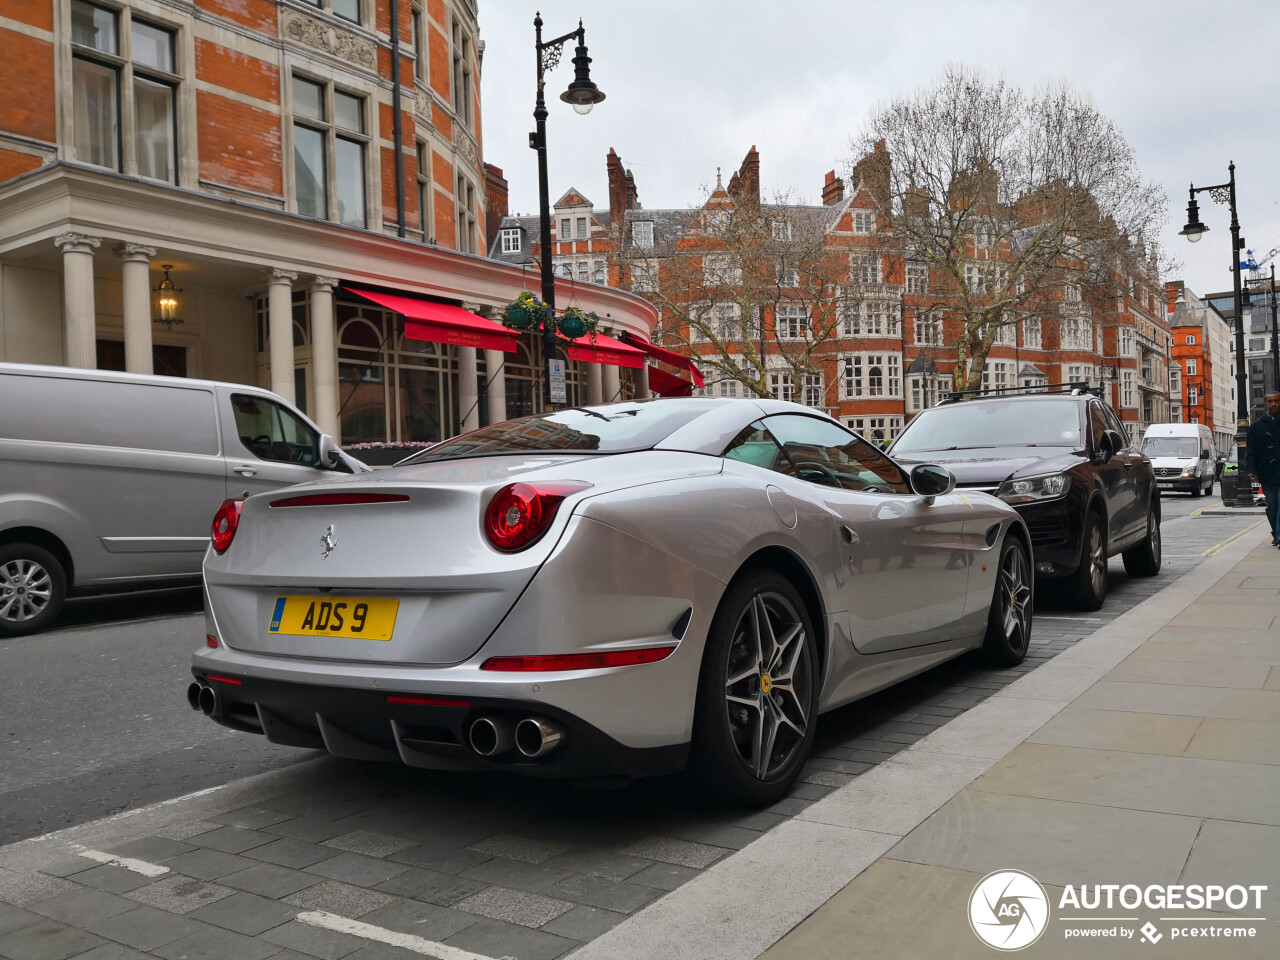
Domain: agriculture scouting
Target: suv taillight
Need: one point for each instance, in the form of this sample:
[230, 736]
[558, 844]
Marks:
[520, 513]
[225, 523]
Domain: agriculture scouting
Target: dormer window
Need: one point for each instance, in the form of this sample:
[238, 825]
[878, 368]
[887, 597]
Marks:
[511, 240]
[642, 233]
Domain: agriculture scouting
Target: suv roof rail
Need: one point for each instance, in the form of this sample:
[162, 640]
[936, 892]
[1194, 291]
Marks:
[1075, 388]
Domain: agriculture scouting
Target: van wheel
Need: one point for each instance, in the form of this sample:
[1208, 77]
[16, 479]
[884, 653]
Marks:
[1087, 587]
[32, 588]
[1197, 490]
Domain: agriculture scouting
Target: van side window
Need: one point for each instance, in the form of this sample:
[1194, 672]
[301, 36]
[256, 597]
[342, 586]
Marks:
[272, 432]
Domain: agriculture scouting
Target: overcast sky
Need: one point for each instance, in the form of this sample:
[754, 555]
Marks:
[692, 85]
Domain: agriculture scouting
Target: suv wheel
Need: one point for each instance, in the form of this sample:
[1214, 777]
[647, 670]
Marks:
[1144, 559]
[32, 588]
[1087, 587]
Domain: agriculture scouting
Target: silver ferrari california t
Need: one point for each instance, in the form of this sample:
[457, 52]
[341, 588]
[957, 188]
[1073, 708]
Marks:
[610, 591]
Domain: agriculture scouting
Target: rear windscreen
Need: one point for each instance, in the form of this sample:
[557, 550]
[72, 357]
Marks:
[108, 413]
[616, 428]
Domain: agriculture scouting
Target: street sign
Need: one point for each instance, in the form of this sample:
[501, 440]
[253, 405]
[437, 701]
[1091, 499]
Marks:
[556, 371]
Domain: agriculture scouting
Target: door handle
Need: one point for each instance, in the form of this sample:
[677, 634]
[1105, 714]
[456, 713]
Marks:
[245, 470]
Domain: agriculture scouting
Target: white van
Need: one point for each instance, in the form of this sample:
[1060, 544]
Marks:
[111, 480]
[1182, 455]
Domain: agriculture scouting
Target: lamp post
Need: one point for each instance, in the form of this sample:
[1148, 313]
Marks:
[1226, 193]
[582, 95]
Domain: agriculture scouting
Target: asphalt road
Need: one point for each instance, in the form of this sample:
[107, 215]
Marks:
[94, 720]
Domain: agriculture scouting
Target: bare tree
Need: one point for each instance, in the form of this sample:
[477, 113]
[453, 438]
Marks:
[1018, 204]
[749, 290]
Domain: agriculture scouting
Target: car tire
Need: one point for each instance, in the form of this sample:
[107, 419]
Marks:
[1144, 559]
[1087, 587]
[741, 707]
[1197, 490]
[33, 586]
[1012, 607]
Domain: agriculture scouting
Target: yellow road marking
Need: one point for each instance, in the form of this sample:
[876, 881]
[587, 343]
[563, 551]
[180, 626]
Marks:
[1196, 513]
[1214, 550]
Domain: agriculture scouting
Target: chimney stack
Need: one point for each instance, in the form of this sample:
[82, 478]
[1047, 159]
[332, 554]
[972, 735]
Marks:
[832, 190]
[496, 193]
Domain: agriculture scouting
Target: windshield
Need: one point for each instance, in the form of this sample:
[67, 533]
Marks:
[616, 428]
[980, 424]
[1171, 447]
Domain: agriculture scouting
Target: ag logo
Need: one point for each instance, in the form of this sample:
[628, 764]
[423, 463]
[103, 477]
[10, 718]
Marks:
[1008, 910]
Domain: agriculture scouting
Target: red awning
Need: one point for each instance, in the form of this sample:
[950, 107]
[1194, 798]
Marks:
[443, 323]
[665, 385]
[605, 350]
[663, 355]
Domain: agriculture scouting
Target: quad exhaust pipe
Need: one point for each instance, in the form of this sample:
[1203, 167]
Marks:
[491, 736]
[205, 699]
[536, 737]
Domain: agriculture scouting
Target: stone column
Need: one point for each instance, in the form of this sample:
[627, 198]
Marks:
[594, 388]
[642, 382]
[494, 373]
[135, 284]
[280, 330]
[78, 317]
[324, 354]
[611, 383]
[468, 388]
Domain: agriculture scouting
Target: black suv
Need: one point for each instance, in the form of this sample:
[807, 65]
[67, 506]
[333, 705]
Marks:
[1062, 458]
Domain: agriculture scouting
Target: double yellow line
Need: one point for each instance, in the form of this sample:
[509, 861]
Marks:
[1219, 547]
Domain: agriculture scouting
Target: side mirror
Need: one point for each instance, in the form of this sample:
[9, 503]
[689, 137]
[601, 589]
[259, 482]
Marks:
[929, 480]
[330, 455]
[1111, 442]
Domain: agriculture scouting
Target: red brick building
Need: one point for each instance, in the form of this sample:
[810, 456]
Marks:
[888, 337]
[262, 156]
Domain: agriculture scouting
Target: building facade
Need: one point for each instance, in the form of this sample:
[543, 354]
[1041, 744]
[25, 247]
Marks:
[887, 327]
[252, 164]
[1202, 383]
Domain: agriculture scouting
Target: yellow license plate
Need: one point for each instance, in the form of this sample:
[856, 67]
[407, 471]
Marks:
[356, 618]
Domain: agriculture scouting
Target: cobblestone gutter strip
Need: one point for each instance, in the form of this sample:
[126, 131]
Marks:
[740, 907]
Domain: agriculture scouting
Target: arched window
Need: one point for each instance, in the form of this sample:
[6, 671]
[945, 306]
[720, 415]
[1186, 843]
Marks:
[875, 382]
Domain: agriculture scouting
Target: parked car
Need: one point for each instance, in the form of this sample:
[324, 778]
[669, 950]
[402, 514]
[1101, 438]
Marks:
[1182, 456]
[109, 479]
[1062, 458]
[616, 590]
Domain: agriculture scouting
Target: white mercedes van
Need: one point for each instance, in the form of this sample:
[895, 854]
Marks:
[111, 480]
[1182, 455]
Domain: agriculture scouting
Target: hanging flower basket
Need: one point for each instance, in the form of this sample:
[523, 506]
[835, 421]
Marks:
[575, 322]
[526, 312]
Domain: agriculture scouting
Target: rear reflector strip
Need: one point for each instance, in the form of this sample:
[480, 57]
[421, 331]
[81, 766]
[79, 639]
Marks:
[579, 661]
[223, 679]
[210, 640]
[339, 499]
[429, 701]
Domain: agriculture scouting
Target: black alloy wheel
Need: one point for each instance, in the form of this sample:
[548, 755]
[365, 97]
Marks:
[1087, 587]
[1012, 607]
[1144, 559]
[758, 692]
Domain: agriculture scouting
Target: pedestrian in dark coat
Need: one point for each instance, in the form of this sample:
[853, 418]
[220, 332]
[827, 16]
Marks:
[1262, 460]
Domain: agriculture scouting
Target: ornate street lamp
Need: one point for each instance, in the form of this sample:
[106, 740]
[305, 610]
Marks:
[1226, 193]
[166, 304]
[583, 95]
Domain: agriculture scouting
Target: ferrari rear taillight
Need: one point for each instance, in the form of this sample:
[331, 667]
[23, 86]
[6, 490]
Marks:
[520, 513]
[225, 522]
